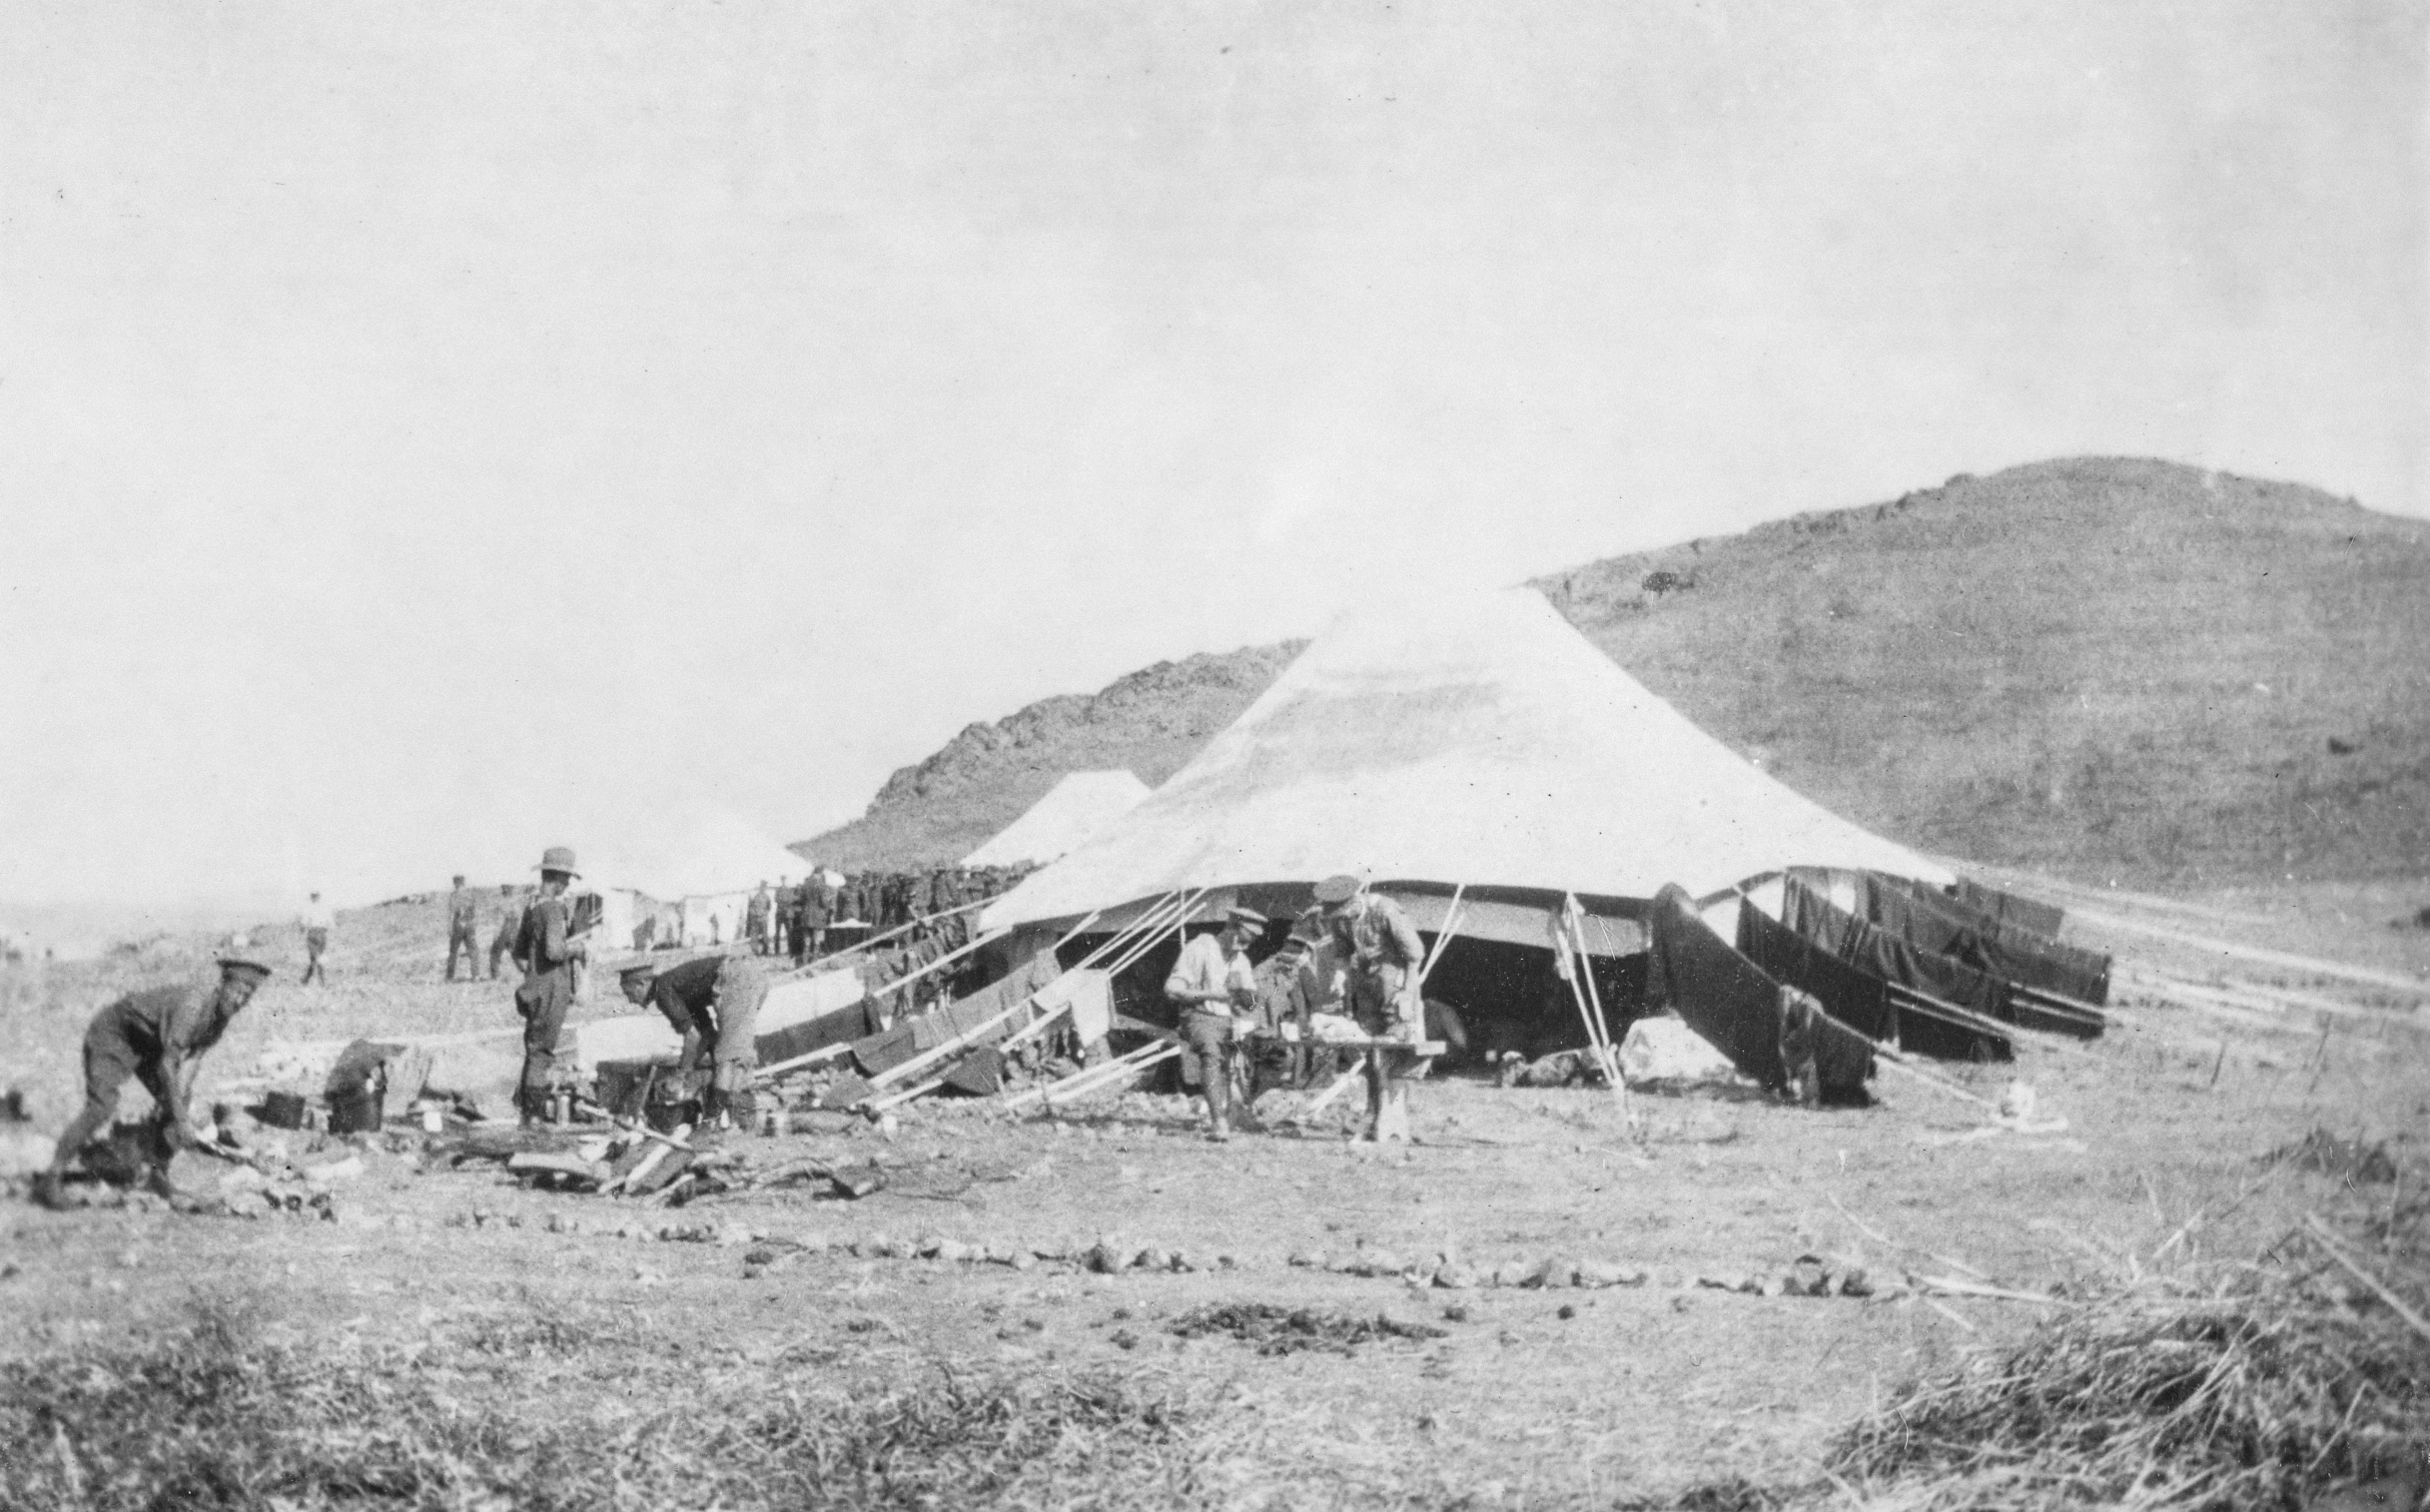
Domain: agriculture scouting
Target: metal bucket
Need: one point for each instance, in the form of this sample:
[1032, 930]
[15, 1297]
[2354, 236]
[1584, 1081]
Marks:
[357, 1113]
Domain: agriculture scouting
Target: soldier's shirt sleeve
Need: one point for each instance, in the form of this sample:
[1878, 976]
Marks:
[1403, 933]
[1187, 975]
[664, 997]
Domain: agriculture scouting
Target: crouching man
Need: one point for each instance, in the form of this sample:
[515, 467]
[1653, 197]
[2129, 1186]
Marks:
[714, 1003]
[157, 1036]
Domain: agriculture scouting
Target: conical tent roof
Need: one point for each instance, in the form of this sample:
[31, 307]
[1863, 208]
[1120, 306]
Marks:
[1469, 738]
[1074, 809]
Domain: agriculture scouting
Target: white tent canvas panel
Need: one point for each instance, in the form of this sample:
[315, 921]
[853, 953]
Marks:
[1469, 738]
[1079, 806]
[645, 1036]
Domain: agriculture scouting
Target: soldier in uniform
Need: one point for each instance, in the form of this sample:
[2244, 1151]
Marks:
[755, 916]
[818, 911]
[1209, 979]
[509, 925]
[157, 1036]
[548, 955]
[316, 921]
[1282, 999]
[714, 1003]
[1384, 954]
[1800, 1034]
[463, 911]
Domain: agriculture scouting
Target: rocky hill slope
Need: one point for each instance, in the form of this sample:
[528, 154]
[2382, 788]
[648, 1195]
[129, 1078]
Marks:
[2106, 668]
[1152, 721]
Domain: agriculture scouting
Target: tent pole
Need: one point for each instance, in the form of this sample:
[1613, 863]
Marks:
[1560, 943]
[960, 1041]
[1585, 967]
[1450, 924]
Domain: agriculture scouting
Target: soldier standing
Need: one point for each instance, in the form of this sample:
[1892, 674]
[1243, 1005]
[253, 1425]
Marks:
[464, 914]
[157, 1036]
[1282, 1002]
[714, 1003]
[548, 955]
[1384, 956]
[316, 921]
[1209, 978]
[755, 919]
[818, 911]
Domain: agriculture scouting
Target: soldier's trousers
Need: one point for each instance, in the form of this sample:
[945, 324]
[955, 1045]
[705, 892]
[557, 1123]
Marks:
[461, 937]
[1209, 1039]
[109, 1060]
[543, 1001]
[742, 985]
[500, 944]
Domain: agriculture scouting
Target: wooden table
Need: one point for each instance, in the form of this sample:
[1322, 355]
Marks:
[1387, 1064]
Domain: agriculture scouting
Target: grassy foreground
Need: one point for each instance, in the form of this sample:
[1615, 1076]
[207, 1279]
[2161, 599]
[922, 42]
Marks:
[213, 1416]
[2229, 1387]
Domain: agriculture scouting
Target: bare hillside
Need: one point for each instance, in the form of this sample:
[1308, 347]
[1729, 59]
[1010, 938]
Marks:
[1151, 722]
[2107, 669]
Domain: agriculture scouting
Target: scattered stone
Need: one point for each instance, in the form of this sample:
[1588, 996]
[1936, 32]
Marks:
[1511, 1273]
[1567, 1313]
[955, 1251]
[1600, 1274]
[1455, 1275]
[1553, 1273]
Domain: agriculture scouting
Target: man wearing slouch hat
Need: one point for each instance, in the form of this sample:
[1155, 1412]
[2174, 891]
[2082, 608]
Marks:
[548, 951]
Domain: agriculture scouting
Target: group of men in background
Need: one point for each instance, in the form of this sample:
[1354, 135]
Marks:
[794, 920]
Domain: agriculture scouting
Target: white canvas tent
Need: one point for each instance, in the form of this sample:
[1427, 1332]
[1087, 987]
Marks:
[702, 862]
[1077, 807]
[1473, 739]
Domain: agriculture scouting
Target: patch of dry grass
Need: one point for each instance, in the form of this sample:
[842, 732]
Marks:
[214, 1417]
[2251, 1387]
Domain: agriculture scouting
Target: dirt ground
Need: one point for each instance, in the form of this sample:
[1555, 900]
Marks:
[1530, 1396]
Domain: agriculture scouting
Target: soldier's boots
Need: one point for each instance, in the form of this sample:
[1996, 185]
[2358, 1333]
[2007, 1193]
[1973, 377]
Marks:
[48, 1192]
[178, 1197]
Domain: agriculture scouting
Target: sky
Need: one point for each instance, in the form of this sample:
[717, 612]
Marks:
[428, 432]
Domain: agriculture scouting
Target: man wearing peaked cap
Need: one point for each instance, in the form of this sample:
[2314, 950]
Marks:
[1209, 982]
[157, 1036]
[1384, 954]
[547, 951]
